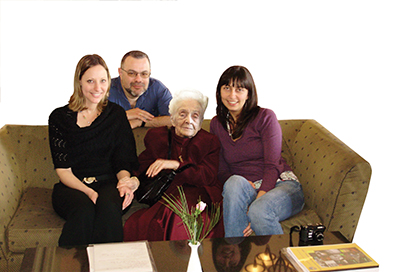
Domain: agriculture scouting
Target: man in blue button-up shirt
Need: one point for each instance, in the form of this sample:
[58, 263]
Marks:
[145, 99]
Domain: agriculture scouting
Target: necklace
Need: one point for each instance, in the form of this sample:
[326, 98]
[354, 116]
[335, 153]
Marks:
[230, 127]
[229, 130]
[87, 121]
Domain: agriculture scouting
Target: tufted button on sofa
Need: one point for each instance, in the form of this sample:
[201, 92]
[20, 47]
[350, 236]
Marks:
[335, 182]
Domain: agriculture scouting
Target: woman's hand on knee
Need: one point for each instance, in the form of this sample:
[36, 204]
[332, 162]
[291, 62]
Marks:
[260, 193]
[247, 231]
[253, 185]
[93, 195]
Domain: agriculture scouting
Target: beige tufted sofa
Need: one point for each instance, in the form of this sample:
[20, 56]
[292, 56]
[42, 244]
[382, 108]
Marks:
[335, 181]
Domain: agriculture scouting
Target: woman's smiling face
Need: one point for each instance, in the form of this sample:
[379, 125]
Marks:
[94, 84]
[234, 98]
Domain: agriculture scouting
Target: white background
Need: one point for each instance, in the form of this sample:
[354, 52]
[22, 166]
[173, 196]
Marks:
[346, 64]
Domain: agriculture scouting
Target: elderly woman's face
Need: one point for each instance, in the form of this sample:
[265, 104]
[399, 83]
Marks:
[188, 118]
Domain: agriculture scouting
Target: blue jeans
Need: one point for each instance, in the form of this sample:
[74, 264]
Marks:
[240, 206]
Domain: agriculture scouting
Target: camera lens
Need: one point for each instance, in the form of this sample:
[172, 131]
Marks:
[319, 236]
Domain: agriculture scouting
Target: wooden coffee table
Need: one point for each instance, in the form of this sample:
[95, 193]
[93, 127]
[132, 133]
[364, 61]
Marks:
[174, 255]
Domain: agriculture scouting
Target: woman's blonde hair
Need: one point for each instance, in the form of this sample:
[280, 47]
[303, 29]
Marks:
[77, 101]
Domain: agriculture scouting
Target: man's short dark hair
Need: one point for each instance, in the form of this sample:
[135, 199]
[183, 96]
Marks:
[135, 54]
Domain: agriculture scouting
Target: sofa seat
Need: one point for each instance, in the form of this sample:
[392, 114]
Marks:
[35, 222]
[305, 217]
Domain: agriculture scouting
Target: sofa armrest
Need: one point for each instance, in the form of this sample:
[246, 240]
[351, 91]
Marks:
[334, 178]
[11, 190]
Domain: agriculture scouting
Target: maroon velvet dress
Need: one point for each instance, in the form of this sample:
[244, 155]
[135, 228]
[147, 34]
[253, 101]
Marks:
[159, 223]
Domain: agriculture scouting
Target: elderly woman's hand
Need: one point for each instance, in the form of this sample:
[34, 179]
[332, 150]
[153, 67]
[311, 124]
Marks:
[160, 164]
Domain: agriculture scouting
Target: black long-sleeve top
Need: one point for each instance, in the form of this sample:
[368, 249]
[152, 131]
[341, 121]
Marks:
[105, 147]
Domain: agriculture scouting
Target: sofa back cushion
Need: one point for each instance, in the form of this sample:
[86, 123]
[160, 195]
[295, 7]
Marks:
[30, 144]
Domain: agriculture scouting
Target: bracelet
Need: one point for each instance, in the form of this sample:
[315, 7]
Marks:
[288, 175]
[131, 182]
[134, 183]
[143, 124]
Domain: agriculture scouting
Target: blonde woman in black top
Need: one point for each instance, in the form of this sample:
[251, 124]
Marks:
[94, 152]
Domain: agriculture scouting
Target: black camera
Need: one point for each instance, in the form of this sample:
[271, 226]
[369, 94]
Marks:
[311, 235]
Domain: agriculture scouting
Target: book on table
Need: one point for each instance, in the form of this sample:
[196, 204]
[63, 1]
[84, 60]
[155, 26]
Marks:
[121, 257]
[337, 257]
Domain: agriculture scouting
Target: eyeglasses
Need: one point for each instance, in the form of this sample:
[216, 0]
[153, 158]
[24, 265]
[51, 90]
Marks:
[133, 74]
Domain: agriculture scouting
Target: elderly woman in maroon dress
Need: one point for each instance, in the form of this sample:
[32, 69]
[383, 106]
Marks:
[190, 145]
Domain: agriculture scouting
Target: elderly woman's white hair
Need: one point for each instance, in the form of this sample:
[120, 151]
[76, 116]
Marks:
[186, 95]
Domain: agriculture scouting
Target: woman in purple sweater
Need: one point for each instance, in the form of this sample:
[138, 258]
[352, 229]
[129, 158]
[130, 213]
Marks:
[260, 190]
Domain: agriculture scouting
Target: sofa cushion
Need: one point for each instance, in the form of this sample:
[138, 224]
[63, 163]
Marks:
[305, 217]
[35, 222]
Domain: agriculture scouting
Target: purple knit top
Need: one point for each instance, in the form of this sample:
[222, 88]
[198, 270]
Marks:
[256, 155]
